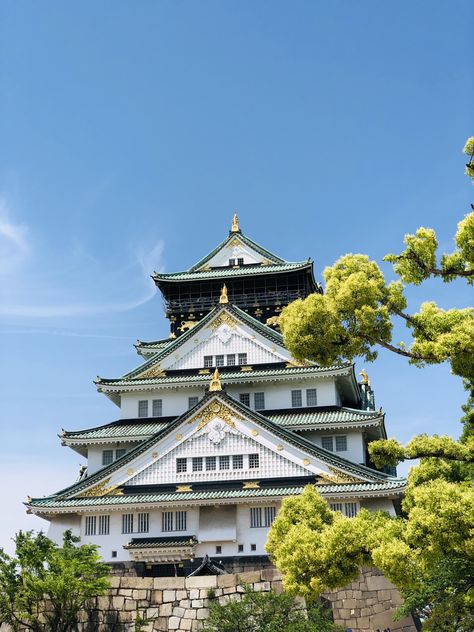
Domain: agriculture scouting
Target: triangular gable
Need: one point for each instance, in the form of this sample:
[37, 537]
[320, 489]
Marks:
[224, 331]
[220, 407]
[234, 246]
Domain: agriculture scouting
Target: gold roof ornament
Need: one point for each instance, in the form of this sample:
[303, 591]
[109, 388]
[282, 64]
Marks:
[223, 297]
[365, 377]
[235, 224]
[215, 384]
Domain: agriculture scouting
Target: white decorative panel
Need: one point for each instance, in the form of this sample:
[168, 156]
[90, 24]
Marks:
[225, 341]
[271, 464]
[235, 250]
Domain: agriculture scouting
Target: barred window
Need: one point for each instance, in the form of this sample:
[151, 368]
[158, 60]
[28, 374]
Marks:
[143, 408]
[232, 262]
[192, 401]
[143, 522]
[311, 397]
[269, 515]
[336, 506]
[107, 457]
[181, 465]
[120, 452]
[341, 443]
[224, 462]
[296, 399]
[197, 463]
[208, 362]
[255, 517]
[211, 463]
[350, 510]
[240, 261]
[254, 461]
[219, 360]
[244, 398]
[90, 525]
[104, 525]
[127, 523]
[231, 359]
[259, 401]
[327, 443]
[242, 358]
[180, 522]
[157, 407]
[167, 521]
[237, 462]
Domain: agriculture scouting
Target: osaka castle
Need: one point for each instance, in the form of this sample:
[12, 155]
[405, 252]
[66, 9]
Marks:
[218, 424]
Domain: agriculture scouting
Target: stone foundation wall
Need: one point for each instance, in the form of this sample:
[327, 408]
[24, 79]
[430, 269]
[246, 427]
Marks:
[181, 604]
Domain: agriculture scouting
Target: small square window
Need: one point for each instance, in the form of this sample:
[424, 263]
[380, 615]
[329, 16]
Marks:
[244, 398]
[224, 462]
[107, 457]
[120, 452]
[211, 462]
[259, 400]
[208, 362]
[253, 547]
[114, 554]
[341, 444]
[197, 463]
[327, 443]
[240, 548]
[296, 399]
[157, 407]
[218, 549]
[240, 261]
[181, 465]
[254, 461]
[219, 360]
[231, 359]
[311, 397]
[143, 408]
[192, 401]
[232, 262]
[237, 462]
[242, 358]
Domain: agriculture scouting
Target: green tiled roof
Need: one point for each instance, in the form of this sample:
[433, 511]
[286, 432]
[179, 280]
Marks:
[395, 485]
[224, 273]
[288, 419]
[199, 378]
[146, 543]
[152, 346]
[246, 240]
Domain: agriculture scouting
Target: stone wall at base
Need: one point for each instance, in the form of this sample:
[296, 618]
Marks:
[180, 604]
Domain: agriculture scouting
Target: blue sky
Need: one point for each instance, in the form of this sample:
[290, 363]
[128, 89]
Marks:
[131, 131]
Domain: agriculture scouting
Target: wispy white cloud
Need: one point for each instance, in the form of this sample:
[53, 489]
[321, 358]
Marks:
[49, 295]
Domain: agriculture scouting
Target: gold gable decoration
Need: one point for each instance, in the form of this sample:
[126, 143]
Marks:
[337, 476]
[154, 371]
[216, 409]
[101, 489]
[223, 319]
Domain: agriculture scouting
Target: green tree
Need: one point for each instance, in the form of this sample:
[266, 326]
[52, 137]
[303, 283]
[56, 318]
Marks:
[428, 553]
[44, 586]
[267, 612]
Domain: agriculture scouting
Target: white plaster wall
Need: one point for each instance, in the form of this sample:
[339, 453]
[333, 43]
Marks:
[277, 395]
[94, 454]
[234, 252]
[59, 525]
[355, 443]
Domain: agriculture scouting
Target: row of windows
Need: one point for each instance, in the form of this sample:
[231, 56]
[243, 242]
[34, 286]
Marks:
[231, 359]
[348, 509]
[258, 398]
[339, 442]
[236, 262]
[172, 521]
[109, 456]
[210, 463]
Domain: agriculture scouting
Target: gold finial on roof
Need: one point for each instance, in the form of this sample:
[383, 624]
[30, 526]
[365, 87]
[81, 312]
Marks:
[365, 377]
[235, 224]
[215, 384]
[224, 298]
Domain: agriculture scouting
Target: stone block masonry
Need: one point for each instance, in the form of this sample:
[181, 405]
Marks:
[181, 604]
